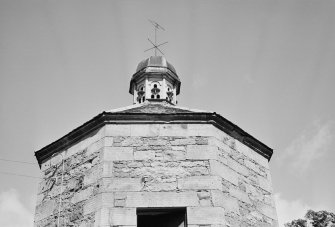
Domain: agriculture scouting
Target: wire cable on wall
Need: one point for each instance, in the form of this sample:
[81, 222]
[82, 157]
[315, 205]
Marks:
[23, 162]
[19, 175]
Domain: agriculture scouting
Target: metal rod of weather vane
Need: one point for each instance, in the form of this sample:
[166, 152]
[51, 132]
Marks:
[155, 41]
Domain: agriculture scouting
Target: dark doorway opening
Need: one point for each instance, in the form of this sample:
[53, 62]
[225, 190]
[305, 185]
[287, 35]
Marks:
[161, 217]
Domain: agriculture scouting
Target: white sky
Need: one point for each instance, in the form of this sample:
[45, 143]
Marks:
[267, 66]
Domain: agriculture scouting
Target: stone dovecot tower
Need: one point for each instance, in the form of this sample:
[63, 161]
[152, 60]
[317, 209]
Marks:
[154, 164]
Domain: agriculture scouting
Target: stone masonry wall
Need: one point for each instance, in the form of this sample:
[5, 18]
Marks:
[119, 168]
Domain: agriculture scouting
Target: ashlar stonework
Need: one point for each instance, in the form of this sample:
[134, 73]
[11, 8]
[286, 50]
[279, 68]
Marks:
[110, 173]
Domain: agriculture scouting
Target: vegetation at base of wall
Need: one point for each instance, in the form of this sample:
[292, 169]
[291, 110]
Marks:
[314, 219]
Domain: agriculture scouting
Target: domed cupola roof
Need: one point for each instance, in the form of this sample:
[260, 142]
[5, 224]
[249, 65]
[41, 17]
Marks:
[155, 65]
[155, 61]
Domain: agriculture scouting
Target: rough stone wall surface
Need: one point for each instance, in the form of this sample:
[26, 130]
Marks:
[119, 168]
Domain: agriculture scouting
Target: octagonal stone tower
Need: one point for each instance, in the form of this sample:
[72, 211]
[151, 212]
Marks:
[155, 164]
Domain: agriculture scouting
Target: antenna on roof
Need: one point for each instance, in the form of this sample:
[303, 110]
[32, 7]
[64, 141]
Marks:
[155, 45]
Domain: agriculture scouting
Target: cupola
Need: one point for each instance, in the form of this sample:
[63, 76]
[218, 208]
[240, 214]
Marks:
[155, 80]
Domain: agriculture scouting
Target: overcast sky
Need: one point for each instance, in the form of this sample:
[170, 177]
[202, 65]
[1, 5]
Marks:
[267, 66]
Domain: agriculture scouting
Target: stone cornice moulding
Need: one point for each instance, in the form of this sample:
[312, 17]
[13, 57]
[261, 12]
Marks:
[153, 118]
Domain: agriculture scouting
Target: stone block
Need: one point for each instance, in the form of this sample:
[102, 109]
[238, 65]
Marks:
[205, 203]
[200, 152]
[264, 184]
[122, 216]
[205, 216]
[162, 186]
[144, 130]
[254, 216]
[178, 148]
[158, 169]
[45, 210]
[220, 199]
[83, 144]
[183, 141]
[97, 202]
[107, 169]
[73, 184]
[240, 147]
[106, 199]
[55, 160]
[144, 155]
[161, 199]
[234, 220]
[200, 182]
[252, 190]
[222, 136]
[173, 129]
[46, 185]
[122, 184]
[39, 199]
[267, 210]
[202, 130]
[157, 141]
[269, 199]
[86, 223]
[253, 155]
[82, 195]
[213, 141]
[240, 195]
[223, 171]
[101, 218]
[117, 153]
[223, 158]
[55, 191]
[120, 203]
[202, 140]
[92, 176]
[120, 195]
[117, 130]
[251, 165]
[94, 147]
[108, 141]
[45, 165]
[130, 141]
[204, 195]
[238, 167]
[267, 175]
[91, 205]
[261, 160]
[176, 153]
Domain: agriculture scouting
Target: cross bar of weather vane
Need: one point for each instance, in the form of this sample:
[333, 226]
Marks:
[155, 45]
[157, 26]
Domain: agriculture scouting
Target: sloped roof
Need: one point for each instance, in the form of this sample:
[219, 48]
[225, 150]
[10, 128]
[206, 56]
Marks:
[153, 112]
[155, 107]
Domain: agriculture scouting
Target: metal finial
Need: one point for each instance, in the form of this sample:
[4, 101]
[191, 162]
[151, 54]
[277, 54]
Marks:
[155, 45]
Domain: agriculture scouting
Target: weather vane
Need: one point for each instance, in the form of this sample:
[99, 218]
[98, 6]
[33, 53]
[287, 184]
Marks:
[155, 45]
